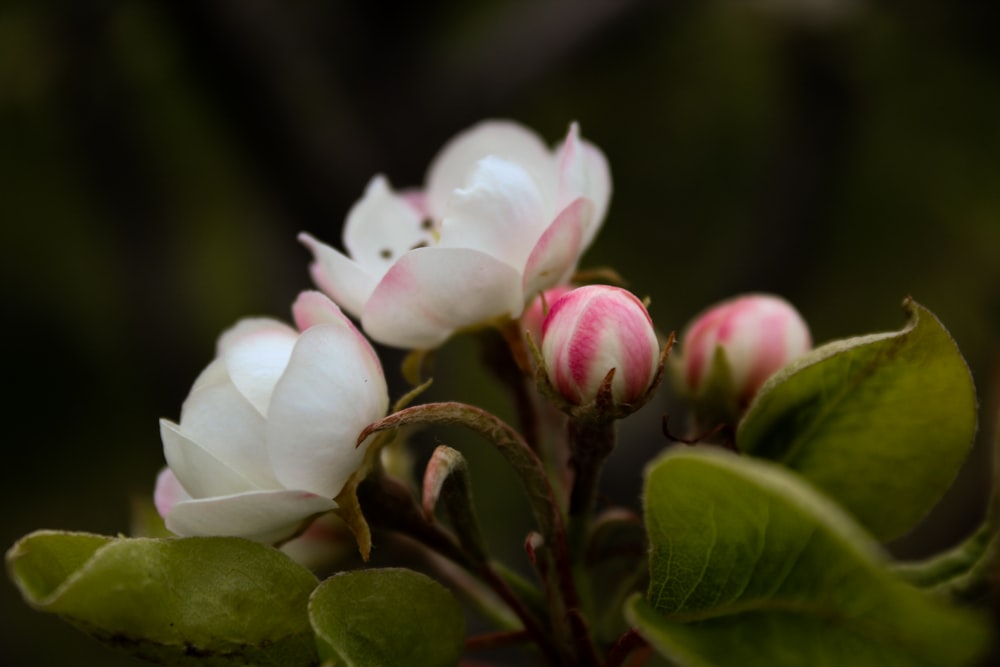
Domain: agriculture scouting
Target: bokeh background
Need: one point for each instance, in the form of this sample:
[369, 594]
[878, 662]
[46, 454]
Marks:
[158, 158]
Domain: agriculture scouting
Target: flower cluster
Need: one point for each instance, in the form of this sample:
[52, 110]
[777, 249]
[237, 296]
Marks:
[266, 438]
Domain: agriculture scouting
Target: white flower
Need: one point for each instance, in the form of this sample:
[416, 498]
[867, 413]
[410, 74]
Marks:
[500, 219]
[267, 435]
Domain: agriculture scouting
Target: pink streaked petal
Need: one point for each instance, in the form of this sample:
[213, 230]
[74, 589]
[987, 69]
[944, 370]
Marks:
[555, 255]
[382, 226]
[332, 389]
[342, 279]
[500, 212]
[224, 423]
[772, 351]
[168, 492]
[433, 292]
[503, 139]
[261, 516]
[534, 315]
[584, 172]
[256, 359]
[698, 343]
[199, 472]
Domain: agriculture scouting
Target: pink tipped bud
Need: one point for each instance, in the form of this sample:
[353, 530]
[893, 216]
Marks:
[594, 329]
[758, 334]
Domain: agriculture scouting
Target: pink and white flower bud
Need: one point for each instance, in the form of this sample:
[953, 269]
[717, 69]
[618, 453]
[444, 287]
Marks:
[594, 329]
[267, 435]
[758, 334]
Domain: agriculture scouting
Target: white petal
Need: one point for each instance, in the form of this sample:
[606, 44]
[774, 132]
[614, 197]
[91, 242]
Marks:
[382, 226]
[199, 473]
[584, 172]
[168, 492]
[555, 255]
[503, 139]
[224, 423]
[215, 373]
[332, 389]
[261, 516]
[312, 308]
[250, 327]
[500, 212]
[343, 280]
[255, 360]
[432, 292]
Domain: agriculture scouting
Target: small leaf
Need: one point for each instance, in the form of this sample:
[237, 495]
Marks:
[192, 601]
[508, 442]
[750, 566]
[386, 617]
[447, 478]
[881, 423]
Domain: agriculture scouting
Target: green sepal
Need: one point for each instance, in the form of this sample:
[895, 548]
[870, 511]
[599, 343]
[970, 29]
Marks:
[964, 573]
[392, 616]
[749, 566]
[179, 601]
[881, 423]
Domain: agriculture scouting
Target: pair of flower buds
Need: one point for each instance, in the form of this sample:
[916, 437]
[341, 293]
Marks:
[267, 436]
[727, 352]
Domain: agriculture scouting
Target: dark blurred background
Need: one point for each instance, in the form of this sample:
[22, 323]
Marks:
[158, 158]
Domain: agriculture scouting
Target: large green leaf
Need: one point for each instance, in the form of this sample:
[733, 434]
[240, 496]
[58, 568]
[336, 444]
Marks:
[881, 423]
[192, 601]
[750, 566]
[393, 616]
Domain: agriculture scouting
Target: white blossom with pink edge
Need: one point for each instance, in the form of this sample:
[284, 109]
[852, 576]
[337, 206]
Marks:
[501, 217]
[267, 435]
[593, 329]
[758, 333]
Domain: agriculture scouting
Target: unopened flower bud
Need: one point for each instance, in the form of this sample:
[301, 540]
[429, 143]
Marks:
[729, 350]
[592, 330]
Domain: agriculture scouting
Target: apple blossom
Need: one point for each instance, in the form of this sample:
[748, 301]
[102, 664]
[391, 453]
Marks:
[756, 334]
[267, 435]
[591, 330]
[501, 217]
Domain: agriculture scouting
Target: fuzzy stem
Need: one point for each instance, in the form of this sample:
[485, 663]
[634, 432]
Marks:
[388, 504]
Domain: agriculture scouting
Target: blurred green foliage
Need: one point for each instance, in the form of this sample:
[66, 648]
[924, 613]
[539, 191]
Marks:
[157, 159]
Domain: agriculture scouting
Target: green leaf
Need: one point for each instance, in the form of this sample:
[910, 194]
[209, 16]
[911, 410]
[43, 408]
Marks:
[386, 617]
[881, 423]
[750, 566]
[192, 601]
